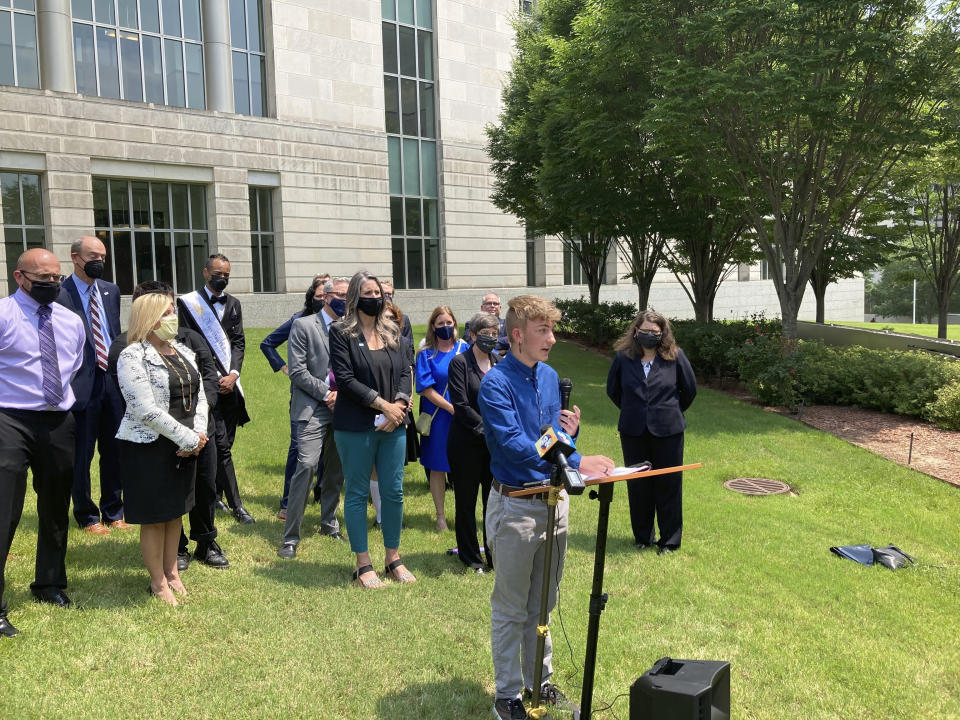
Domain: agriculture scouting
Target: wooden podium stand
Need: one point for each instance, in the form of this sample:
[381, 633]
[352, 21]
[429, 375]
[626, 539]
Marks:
[598, 599]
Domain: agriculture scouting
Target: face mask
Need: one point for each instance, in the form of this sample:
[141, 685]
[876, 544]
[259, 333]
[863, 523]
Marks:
[647, 341]
[93, 269]
[388, 298]
[44, 291]
[316, 305]
[445, 332]
[370, 306]
[218, 284]
[338, 306]
[486, 343]
[168, 328]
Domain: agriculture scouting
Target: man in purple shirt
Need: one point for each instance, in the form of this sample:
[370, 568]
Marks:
[41, 349]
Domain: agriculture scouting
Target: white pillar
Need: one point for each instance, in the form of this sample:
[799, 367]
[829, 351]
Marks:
[55, 38]
[218, 65]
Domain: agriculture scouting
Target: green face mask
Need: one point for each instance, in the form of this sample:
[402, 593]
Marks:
[168, 328]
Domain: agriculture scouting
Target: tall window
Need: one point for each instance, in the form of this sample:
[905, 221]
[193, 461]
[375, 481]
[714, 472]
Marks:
[249, 57]
[262, 240]
[572, 270]
[18, 43]
[526, 7]
[22, 218]
[139, 50]
[410, 100]
[531, 262]
[152, 231]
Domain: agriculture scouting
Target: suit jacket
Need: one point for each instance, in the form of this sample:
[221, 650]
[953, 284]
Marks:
[232, 324]
[145, 383]
[356, 385]
[463, 379]
[87, 381]
[308, 361]
[656, 402]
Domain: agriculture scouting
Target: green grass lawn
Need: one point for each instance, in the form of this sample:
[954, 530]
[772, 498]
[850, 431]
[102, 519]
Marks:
[925, 329]
[808, 635]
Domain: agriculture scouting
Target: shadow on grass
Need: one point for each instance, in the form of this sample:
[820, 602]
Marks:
[305, 571]
[443, 699]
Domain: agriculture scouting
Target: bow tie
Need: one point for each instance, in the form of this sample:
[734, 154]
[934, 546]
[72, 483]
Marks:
[219, 299]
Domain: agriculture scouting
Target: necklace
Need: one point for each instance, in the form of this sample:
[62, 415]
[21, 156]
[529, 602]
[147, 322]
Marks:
[188, 396]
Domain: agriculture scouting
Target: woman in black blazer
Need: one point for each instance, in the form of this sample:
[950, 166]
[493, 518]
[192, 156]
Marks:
[652, 383]
[466, 447]
[372, 371]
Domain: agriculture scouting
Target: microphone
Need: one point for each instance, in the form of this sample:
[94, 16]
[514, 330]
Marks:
[554, 446]
[565, 387]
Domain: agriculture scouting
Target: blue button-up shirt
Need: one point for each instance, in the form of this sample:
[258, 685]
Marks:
[515, 402]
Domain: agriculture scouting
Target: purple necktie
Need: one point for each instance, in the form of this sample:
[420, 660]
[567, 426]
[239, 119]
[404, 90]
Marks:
[52, 389]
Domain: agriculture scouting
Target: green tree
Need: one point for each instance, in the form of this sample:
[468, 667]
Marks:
[928, 216]
[889, 291]
[815, 103]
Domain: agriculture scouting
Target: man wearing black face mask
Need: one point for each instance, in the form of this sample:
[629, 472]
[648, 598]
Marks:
[218, 317]
[41, 349]
[313, 397]
[99, 408]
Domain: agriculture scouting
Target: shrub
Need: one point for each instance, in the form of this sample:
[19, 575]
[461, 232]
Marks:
[945, 410]
[767, 364]
[708, 345]
[599, 325]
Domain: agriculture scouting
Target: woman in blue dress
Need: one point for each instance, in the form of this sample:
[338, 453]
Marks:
[440, 346]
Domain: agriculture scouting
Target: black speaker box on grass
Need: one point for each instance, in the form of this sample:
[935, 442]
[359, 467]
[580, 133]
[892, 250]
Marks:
[682, 690]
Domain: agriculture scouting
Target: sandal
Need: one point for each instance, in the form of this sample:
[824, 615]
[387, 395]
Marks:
[370, 584]
[403, 577]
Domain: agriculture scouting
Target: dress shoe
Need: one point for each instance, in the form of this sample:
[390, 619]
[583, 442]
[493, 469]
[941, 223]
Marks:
[120, 524]
[667, 550]
[221, 506]
[282, 514]
[336, 535]
[52, 596]
[242, 516]
[183, 561]
[287, 551]
[212, 556]
[6, 628]
[96, 528]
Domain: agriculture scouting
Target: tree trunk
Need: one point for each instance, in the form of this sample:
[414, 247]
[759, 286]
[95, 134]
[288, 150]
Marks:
[789, 310]
[594, 286]
[820, 293]
[943, 305]
[643, 294]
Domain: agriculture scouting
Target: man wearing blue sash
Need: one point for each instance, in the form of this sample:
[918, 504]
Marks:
[218, 317]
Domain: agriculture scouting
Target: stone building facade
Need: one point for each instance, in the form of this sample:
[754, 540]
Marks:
[293, 136]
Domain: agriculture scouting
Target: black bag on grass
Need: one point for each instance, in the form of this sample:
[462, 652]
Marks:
[862, 554]
[892, 557]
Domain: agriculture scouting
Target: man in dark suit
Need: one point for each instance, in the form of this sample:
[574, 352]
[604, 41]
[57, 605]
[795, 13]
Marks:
[203, 529]
[98, 407]
[218, 317]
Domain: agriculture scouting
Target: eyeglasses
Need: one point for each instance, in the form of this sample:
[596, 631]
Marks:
[488, 303]
[43, 277]
[489, 333]
[648, 333]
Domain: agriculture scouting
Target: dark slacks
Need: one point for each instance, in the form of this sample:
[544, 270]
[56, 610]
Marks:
[44, 442]
[660, 495]
[225, 417]
[202, 527]
[470, 474]
[97, 427]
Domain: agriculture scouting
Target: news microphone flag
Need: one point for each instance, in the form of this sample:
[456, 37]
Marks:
[552, 437]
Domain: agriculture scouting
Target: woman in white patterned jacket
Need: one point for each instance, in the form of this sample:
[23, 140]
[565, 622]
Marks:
[160, 435]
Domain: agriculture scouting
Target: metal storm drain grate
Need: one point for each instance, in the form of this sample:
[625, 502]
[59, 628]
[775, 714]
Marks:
[757, 486]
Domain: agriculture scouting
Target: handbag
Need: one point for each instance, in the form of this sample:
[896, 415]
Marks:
[425, 420]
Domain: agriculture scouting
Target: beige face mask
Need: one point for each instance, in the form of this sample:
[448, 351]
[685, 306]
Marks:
[168, 328]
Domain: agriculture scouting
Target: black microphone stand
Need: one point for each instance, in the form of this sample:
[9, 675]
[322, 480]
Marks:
[598, 598]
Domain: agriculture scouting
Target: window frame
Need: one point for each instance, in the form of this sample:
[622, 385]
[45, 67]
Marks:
[248, 58]
[22, 226]
[256, 236]
[13, 12]
[162, 36]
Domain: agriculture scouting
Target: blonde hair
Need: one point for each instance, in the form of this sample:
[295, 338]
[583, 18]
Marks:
[667, 349]
[387, 330]
[146, 312]
[430, 339]
[524, 308]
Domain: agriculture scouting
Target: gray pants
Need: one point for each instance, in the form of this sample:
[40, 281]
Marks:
[516, 530]
[314, 436]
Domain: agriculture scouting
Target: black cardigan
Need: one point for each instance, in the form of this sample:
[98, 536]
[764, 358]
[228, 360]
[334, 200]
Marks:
[463, 380]
[352, 367]
[655, 403]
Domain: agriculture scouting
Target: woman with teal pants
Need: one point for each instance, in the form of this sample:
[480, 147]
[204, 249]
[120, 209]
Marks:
[370, 414]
